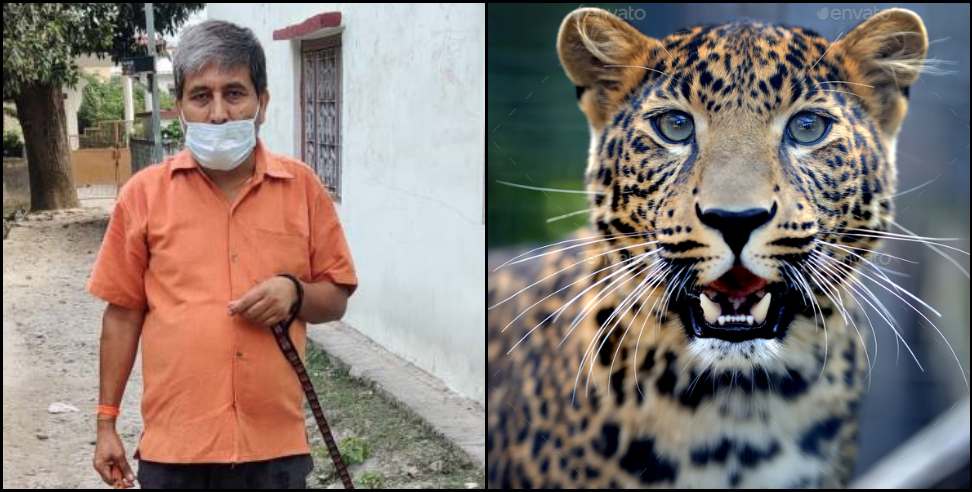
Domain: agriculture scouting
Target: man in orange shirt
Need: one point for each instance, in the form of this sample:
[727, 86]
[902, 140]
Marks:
[191, 266]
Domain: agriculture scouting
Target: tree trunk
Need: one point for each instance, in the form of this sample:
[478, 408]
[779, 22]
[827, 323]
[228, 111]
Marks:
[40, 108]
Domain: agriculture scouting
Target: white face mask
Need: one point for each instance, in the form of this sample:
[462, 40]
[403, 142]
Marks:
[221, 147]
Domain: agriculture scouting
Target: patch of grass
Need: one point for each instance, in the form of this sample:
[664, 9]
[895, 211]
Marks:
[354, 450]
[383, 443]
[370, 480]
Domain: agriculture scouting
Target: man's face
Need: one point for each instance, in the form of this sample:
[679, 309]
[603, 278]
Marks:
[214, 96]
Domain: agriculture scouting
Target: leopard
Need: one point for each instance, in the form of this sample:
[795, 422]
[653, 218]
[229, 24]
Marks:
[709, 326]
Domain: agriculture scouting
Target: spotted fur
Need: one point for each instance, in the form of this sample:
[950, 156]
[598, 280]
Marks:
[649, 406]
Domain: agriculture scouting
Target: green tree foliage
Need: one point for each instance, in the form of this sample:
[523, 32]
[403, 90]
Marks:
[40, 44]
[103, 101]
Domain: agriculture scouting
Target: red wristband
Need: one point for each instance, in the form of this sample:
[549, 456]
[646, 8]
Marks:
[108, 410]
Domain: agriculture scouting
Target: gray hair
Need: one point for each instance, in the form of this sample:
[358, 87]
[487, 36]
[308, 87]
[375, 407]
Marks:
[222, 43]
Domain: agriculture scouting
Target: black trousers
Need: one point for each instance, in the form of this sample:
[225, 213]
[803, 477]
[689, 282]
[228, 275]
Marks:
[289, 472]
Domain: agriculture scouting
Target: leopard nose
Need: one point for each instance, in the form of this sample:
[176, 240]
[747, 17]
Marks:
[735, 226]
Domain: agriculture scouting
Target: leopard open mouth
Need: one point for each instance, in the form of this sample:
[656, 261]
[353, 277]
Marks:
[737, 307]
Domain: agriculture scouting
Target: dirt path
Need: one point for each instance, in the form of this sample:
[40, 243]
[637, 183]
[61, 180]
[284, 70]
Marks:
[51, 328]
[50, 352]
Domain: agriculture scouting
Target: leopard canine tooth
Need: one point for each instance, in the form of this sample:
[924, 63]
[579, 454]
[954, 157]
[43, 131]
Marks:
[761, 308]
[710, 309]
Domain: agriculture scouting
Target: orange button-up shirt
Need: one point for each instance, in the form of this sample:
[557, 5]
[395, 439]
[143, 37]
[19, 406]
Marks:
[217, 389]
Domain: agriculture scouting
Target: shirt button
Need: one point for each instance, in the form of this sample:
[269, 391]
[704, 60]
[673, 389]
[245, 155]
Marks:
[233, 257]
[239, 354]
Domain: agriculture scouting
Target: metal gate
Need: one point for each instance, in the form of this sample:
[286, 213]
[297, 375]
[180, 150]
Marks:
[141, 144]
[101, 164]
[141, 149]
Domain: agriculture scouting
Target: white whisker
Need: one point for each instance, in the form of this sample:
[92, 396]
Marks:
[881, 310]
[559, 271]
[888, 280]
[644, 321]
[907, 239]
[835, 277]
[551, 315]
[555, 190]
[916, 188]
[556, 314]
[836, 299]
[656, 278]
[639, 66]
[586, 310]
[894, 234]
[571, 214]
[597, 239]
[630, 246]
[869, 251]
[618, 314]
[669, 290]
[841, 92]
[843, 82]
[825, 52]
[831, 273]
[939, 252]
[920, 313]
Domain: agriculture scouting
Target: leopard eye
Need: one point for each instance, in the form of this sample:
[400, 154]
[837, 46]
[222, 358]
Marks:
[674, 126]
[807, 128]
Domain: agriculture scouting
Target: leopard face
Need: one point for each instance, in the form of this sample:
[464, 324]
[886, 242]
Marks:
[741, 158]
[702, 332]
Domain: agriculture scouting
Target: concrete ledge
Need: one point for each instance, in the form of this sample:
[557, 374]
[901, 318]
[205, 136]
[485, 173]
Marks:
[460, 420]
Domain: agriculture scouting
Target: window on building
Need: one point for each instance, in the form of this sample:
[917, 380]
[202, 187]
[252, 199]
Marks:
[321, 103]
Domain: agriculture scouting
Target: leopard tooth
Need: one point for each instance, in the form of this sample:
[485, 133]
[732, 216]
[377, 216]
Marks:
[761, 308]
[710, 309]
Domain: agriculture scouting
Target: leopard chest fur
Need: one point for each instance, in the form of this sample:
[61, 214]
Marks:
[621, 401]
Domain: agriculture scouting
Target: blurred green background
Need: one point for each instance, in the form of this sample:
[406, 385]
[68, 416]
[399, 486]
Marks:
[537, 136]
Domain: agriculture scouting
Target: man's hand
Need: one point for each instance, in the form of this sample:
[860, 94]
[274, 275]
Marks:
[109, 458]
[120, 332]
[266, 304]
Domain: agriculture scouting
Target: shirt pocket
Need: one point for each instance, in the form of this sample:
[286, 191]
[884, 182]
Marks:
[282, 252]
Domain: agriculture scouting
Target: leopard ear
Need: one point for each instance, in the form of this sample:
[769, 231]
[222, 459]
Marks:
[603, 56]
[886, 52]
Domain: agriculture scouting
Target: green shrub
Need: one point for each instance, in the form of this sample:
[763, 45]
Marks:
[370, 480]
[13, 146]
[354, 450]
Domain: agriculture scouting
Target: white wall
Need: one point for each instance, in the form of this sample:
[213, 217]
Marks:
[413, 138]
